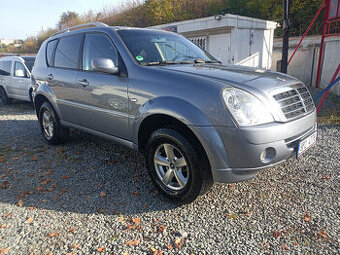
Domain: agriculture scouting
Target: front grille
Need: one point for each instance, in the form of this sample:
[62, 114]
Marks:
[295, 102]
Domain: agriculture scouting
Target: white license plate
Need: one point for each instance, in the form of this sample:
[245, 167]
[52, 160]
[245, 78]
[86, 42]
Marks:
[306, 143]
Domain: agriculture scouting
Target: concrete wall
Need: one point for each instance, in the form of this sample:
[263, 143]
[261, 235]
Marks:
[301, 64]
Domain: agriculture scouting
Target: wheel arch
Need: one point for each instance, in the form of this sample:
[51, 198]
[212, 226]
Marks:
[157, 121]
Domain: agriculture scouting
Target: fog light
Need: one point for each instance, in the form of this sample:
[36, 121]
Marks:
[267, 155]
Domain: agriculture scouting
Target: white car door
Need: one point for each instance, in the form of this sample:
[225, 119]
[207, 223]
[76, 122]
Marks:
[20, 81]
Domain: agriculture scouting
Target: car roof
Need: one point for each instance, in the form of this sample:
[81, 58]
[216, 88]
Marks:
[105, 28]
[18, 58]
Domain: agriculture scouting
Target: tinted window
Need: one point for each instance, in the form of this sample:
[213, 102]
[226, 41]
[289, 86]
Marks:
[19, 70]
[5, 67]
[148, 46]
[49, 52]
[67, 52]
[98, 46]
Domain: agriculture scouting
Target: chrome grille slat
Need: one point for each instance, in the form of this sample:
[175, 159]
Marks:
[295, 102]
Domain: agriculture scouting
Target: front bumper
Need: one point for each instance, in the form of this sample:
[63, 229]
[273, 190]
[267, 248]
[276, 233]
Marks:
[236, 154]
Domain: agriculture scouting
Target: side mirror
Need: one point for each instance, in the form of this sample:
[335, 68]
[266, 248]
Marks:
[105, 65]
[20, 73]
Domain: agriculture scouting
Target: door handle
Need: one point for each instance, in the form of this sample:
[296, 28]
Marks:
[83, 83]
[49, 77]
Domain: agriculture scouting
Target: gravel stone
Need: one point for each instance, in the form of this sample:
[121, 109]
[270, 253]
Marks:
[60, 187]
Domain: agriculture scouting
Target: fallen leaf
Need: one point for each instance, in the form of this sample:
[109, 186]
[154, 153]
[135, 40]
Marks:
[276, 234]
[34, 158]
[53, 234]
[20, 203]
[6, 215]
[29, 220]
[48, 173]
[169, 246]
[121, 219]
[4, 251]
[101, 249]
[162, 228]
[66, 177]
[135, 193]
[31, 208]
[325, 177]
[70, 253]
[155, 251]
[179, 242]
[284, 246]
[72, 229]
[102, 194]
[322, 234]
[132, 242]
[136, 220]
[4, 185]
[75, 246]
[3, 226]
[307, 217]
[156, 191]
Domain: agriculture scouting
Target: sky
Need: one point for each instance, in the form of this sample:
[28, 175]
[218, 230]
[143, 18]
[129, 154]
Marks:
[22, 18]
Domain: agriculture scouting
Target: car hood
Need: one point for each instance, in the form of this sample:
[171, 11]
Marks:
[238, 76]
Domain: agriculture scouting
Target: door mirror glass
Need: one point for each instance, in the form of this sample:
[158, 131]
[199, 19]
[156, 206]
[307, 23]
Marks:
[105, 65]
[20, 73]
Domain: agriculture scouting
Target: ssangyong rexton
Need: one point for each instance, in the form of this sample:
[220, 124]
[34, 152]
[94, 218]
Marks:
[196, 121]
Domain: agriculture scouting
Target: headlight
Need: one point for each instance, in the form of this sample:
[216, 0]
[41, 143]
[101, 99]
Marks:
[246, 109]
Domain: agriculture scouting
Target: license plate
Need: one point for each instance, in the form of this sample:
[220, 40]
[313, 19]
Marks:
[306, 143]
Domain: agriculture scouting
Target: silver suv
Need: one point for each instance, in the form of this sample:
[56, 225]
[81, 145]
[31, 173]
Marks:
[196, 121]
[15, 83]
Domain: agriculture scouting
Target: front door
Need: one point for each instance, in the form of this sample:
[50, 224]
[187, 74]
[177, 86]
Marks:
[102, 96]
[20, 81]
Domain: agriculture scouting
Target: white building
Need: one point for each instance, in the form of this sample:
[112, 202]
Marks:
[231, 39]
[7, 41]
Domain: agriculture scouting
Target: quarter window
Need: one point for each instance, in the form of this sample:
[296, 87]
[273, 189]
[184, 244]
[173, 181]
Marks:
[49, 52]
[67, 52]
[98, 46]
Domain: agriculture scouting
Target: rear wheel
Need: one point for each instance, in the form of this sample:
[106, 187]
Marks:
[176, 167]
[4, 99]
[51, 128]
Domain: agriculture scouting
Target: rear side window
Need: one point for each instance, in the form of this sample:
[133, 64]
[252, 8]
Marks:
[19, 70]
[5, 68]
[67, 52]
[49, 52]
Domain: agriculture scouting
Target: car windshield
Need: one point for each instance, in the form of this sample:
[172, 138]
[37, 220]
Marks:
[150, 47]
[29, 62]
[29, 65]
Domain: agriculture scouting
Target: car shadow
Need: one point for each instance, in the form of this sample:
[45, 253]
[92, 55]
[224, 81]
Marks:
[86, 175]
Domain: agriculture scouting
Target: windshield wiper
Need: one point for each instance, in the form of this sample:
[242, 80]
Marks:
[199, 61]
[162, 62]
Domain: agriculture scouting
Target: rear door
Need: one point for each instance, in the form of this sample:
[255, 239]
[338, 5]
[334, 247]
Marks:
[5, 75]
[102, 96]
[62, 75]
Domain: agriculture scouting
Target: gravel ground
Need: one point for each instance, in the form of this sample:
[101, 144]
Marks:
[91, 196]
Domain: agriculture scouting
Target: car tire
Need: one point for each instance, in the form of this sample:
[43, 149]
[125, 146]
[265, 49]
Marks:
[53, 131]
[176, 167]
[4, 99]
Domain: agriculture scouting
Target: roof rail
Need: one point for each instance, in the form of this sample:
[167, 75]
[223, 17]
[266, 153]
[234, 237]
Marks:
[92, 24]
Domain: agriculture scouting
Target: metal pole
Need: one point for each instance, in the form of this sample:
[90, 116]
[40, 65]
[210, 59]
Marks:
[318, 74]
[285, 36]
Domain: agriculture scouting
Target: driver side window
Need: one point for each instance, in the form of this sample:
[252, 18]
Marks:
[19, 70]
[98, 46]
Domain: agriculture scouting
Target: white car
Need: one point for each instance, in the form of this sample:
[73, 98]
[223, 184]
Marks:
[15, 82]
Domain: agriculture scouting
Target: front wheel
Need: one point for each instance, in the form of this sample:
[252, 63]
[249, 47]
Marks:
[51, 128]
[176, 167]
